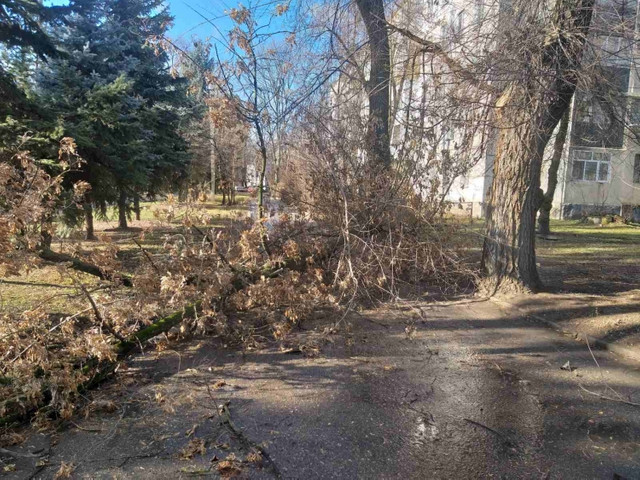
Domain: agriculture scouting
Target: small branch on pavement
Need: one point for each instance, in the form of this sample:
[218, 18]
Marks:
[505, 439]
[11, 453]
[604, 397]
[225, 418]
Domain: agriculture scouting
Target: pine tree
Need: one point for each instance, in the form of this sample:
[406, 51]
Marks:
[113, 92]
[22, 29]
[24, 44]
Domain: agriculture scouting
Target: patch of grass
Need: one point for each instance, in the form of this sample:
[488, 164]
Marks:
[213, 207]
[588, 240]
[44, 286]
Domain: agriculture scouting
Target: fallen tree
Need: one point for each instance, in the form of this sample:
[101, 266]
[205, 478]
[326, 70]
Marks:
[94, 370]
[85, 267]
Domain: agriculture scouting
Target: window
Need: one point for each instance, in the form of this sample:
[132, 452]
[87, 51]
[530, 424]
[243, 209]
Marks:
[636, 169]
[635, 75]
[479, 11]
[590, 166]
[611, 44]
[589, 110]
[634, 112]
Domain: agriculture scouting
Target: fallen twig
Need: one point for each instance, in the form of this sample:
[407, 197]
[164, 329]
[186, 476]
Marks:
[604, 397]
[146, 254]
[11, 453]
[103, 324]
[504, 438]
[247, 444]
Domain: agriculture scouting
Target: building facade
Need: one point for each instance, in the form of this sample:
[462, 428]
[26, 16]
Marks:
[600, 167]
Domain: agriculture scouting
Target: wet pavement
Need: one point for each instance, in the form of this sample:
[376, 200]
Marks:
[421, 391]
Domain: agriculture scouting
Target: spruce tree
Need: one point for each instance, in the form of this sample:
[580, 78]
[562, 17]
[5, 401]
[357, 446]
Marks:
[113, 92]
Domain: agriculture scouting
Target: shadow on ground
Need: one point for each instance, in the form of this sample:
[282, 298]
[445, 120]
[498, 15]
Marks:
[419, 391]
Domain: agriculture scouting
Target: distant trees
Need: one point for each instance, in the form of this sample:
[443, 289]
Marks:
[229, 137]
[195, 64]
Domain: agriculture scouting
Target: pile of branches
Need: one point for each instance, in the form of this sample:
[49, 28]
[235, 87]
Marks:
[389, 224]
[362, 241]
[197, 283]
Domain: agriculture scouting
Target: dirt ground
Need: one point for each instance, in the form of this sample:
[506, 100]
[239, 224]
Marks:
[463, 390]
[592, 279]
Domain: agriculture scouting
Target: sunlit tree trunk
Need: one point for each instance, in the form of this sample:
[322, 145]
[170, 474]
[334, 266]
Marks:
[122, 210]
[527, 113]
[552, 176]
[136, 206]
[377, 142]
[88, 220]
[212, 132]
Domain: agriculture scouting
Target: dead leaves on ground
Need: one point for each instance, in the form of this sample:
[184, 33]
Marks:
[230, 466]
[65, 471]
[195, 447]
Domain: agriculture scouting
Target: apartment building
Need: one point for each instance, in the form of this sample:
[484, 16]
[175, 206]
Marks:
[600, 167]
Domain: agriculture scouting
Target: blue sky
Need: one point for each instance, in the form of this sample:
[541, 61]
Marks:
[189, 21]
[188, 17]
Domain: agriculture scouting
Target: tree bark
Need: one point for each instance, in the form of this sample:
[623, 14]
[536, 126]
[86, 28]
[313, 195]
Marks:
[88, 220]
[77, 264]
[136, 206]
[122, 210]
[212, 132]
[552, 176]
[526, 114]
[45, 238]
[263, 168]
[378, 140]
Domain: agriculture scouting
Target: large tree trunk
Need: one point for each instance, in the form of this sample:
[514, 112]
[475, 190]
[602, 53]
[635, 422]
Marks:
[527, 113]
[88, 220]
[552, 176]
[509, 247]
[122, 210]
[377, 142]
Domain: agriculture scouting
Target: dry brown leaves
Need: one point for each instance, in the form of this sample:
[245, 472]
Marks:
[65, 471]
[196, 446]
[229, 467]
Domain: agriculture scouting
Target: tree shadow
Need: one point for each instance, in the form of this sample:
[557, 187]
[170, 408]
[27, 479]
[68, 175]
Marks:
[473, 393]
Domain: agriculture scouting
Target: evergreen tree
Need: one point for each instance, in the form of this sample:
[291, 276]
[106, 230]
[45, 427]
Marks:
[21, 27]
[113, 92]
[197, 131]
[24, 44]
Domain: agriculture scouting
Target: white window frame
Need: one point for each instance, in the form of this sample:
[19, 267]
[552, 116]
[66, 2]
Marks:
[590, 156]
[635, 78]
[611, 44]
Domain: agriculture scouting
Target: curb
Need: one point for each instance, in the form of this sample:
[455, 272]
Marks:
[626, 352]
